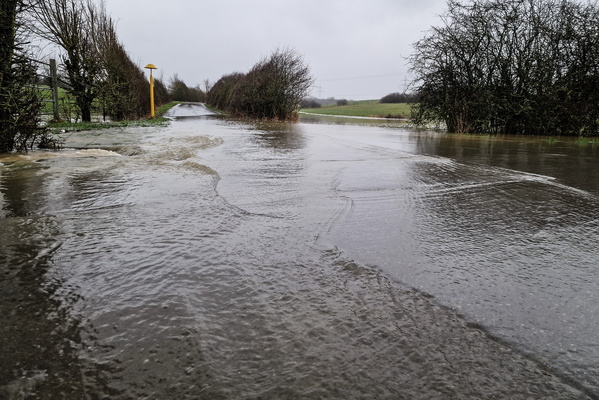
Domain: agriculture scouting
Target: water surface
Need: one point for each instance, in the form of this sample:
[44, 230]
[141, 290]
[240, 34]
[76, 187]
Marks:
[226, 259]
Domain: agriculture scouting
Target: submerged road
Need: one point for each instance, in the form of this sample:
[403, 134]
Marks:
[226, 259]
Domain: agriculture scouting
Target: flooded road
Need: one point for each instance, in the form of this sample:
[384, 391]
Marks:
[222, 259]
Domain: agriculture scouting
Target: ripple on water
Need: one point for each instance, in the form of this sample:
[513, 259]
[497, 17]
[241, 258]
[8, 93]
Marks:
[191, 292]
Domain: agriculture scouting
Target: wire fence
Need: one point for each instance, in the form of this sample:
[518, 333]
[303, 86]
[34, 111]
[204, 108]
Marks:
[49, 91]
[58, 103]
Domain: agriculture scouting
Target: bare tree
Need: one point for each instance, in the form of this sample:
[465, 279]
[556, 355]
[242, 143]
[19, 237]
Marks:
[68, 24]
[207, 85]
[96, 63]
[518, 66]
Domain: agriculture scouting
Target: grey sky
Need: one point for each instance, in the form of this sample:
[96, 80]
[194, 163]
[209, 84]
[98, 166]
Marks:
[355, 49]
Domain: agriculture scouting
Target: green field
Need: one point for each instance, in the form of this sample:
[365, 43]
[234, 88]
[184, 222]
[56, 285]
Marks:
[365, 108]
[45, 94]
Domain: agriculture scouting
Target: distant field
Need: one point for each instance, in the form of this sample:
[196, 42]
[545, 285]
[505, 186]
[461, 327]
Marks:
[367, 108]
[66, 102]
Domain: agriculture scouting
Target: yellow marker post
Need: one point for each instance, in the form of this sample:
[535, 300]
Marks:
[151, 67]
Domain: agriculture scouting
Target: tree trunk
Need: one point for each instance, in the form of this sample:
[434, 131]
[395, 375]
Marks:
[86, 113]
[8, 14]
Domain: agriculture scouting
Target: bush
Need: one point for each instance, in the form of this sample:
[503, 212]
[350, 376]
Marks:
[274, 88]
[517, 67]
[179, 91]
[310, 103]
[221, 92]
[395, 98]
[20, 102]
[342, 102]
[20, 107]
[123, 91]
[161, 94]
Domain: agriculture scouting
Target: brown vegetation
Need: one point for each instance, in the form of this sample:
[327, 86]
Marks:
[19, 100]
[122, 87]
[274, 88]
[515, 67]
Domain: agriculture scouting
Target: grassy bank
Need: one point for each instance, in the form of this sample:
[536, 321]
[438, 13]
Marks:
[366, 108]
[84, 126]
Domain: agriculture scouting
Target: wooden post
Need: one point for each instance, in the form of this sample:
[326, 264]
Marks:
[54, 78]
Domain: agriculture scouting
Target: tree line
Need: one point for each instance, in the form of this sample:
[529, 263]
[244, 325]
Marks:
[511, 66]
[396, 97]
[96, 70]
[273, 88]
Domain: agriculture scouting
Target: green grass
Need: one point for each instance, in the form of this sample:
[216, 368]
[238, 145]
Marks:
[578, 140]
[86, 126]
[46, 94]
[160, 111]
[584, 140]
[365, 108]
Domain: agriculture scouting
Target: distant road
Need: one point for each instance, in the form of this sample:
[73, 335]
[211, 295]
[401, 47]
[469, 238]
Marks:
[185, 110]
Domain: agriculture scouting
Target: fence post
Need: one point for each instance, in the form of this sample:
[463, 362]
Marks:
[54, 77]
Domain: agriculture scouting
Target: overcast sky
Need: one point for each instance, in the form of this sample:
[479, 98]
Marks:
[355, 49]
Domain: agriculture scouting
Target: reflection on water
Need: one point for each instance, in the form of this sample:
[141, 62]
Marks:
[566, 160]
[219, 259]
[40, 336]
[498, 228]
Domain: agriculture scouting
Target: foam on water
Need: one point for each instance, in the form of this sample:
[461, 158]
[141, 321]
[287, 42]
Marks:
[237, 260]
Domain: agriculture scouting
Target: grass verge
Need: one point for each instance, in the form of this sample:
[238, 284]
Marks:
[584, 140]
[86, 126]
[159, 120]
[160, 111]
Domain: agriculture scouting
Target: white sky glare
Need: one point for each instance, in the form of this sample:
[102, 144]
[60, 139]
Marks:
[355, 49]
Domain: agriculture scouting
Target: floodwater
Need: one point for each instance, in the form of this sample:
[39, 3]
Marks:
[328, 259]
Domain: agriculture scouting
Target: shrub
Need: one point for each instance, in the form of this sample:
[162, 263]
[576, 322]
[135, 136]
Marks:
[274, 88]
[179, 91]
[394, 98]
[221, 92]
[20, 102]
[20, 105]
[515, 67]
[161, 94]
[310, 103]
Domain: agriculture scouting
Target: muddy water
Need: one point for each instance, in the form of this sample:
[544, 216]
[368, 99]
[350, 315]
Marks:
[221, 259]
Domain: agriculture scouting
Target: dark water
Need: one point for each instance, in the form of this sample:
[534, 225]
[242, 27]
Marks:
[221, 259]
